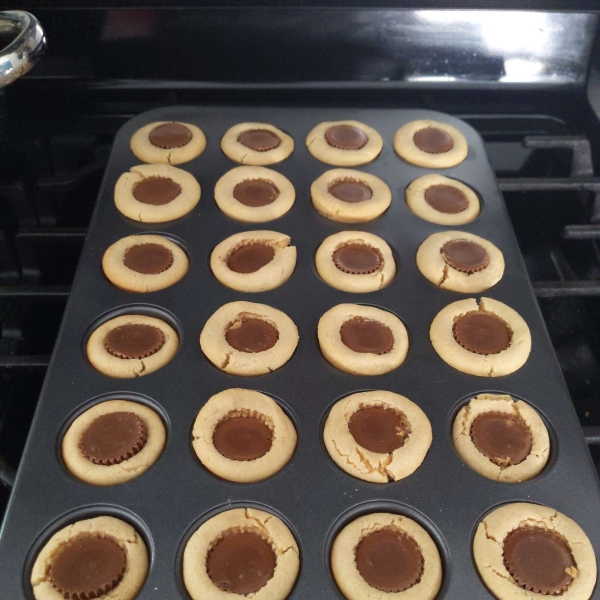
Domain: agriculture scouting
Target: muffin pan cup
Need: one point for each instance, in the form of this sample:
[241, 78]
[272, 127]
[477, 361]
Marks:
[311, 492]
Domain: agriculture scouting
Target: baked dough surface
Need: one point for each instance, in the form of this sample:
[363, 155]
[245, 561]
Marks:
[247, 156]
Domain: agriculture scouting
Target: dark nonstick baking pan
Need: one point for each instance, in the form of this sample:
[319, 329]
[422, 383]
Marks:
[313, 496]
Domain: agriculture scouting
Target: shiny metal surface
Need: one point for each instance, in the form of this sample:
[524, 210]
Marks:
[26, 44]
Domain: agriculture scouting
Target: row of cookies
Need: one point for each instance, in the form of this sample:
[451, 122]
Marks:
[343, 143]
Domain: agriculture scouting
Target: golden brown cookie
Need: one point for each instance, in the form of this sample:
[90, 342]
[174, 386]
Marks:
[256, 144]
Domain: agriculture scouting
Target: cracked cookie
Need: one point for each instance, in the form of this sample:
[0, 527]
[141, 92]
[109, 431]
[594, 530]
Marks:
[102, 557]
[246, 338]
[350, 196]
[254, 194]
[487, 339]
[377, 436]
[131, 346]
[386, 556]
[530, 551]
[460, 261]
[355, 261]
[256, 144]
[442, 200]
[168, 142]
[344, 143]
[431, 144]
[501, 438]
[254, 261]
[243, 436]
[241, 552]
[156, 193]
[362, 340]
[144, 263]
[113, 442]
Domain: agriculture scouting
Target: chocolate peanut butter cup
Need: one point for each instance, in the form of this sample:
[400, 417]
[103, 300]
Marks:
[379, 429]
[350, 191]
[134, 340]
[241, 562]
[156, 191]
[148, 259]
[357, 259]
[242, 438]
[87, 566]
[482, 333]
[389, 560]
[251, 335]
[465, 256]
[346, 137]
[433, 140]
[170, 135]
[539, 560]
[367, 336]
[249, 258]
[113, 438]
[259, 140]
[255, 192]
[446, 199]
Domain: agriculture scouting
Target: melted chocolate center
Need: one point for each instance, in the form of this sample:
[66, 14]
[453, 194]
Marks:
[389, 560]
[350, 191]
[241, 562]
[537, 559]
[379, 429]
[465, 256]
[357, 259]
[482, 333]
[250, 258]
[148, 259]
[87, 567]
[367, 336]
[505, 439]
[446, 199]
[251, 335]
[255, 192]
[170, 135]
[433, 140]
[346, 137]
[134, 340]
[259, 140]
[112, 438]
[156, 191]
[242, 438]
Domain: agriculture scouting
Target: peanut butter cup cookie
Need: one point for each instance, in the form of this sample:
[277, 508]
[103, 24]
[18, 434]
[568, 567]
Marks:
[254, 194]
[377, 436]
[344, 143]
[254, 261]
[96, 558]
[460, 261]
[386, 557]
[530, 551]
[168, 142]
[431, 144]
[362, 340]
[156, 193]
[355, 261]
[349, 196]
[132, 346]
[241, 552]
[243, 435]
[488, 339]
[501, 438]
[246, 338]
[442, 200]
[144, 263]
[256, 144]
[113, 442]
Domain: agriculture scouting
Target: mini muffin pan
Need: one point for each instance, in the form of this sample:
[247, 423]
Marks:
[311, 494]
